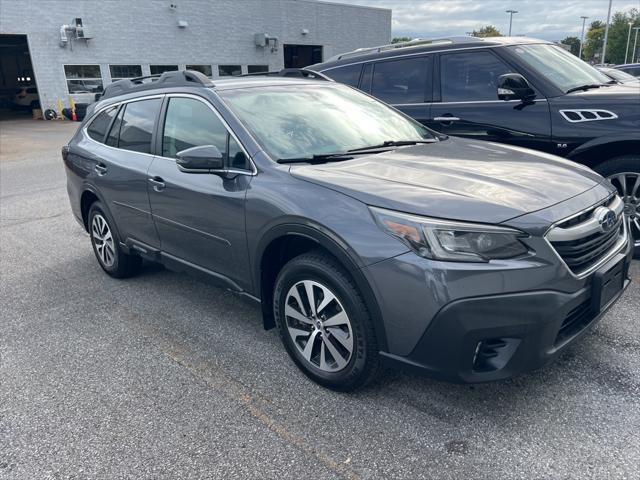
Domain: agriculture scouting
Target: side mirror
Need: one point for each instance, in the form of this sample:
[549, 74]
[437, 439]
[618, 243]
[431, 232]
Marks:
[201, 159]
[513, 86]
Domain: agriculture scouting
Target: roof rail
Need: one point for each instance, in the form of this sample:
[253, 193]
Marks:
[291, 72]
[416, 42]
[176, 78]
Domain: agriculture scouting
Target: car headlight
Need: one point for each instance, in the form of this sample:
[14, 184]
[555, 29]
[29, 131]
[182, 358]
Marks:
[449, 240]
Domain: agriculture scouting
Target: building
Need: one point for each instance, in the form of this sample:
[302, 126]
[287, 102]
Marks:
[72, 49]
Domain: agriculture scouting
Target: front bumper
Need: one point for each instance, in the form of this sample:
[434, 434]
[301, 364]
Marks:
[481, 336]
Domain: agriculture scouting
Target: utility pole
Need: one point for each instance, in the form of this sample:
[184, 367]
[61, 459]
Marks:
[606, 34]
[511, 12]
[626, 52]
[635, 44]
[584, 19]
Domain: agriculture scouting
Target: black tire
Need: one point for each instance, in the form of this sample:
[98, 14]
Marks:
[122, 265]
[364, 361]
[631, 164]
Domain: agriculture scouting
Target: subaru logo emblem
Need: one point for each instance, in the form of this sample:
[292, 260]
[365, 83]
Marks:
[607, 220]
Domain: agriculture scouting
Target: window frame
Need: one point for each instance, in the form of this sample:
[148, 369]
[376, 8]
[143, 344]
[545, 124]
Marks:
[67, 79]
[229, 65]
[230, 133]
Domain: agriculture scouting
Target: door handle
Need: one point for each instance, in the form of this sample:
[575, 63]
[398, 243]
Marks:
[100, 169]
[158, 183]
[446, 118]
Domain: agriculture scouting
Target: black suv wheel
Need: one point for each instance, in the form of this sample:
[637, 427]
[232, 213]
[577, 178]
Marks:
[324, 323]
[106, 245]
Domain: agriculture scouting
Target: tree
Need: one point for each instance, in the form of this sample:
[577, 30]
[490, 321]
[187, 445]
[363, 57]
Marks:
[593, 41]
[574, 43]
[400, 39]
[617, 42]
[487, 31]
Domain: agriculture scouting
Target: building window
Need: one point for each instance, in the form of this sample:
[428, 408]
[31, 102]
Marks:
[159, 69]
[118, 72]
[83, 78]
[228, 70]
[257, 68]
[204, 69]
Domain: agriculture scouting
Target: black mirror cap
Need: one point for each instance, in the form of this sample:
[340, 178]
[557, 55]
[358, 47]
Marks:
[201, 159]
[513, 86]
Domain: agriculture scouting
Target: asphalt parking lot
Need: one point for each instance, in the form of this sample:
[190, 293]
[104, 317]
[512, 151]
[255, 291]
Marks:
[161, 376]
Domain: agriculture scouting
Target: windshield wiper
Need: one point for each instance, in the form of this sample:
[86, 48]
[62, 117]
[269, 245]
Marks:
[585, 87]
[318, 158]
[392, 143]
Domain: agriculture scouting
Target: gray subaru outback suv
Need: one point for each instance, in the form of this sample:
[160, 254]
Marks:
[367, 237]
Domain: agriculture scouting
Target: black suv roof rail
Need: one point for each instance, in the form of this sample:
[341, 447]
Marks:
[177, 78]
[416, 42]
[291, 72]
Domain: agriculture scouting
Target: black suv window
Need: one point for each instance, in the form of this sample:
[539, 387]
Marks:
[137, 125]
[191, 123]
[470, 76]
[97, 129]
[400, 81]
[349, 75]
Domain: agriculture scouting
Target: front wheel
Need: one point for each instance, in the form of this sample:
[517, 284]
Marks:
[624, 174]
[324, 323]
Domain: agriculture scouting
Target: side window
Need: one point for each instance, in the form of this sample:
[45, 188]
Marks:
[137, 125]
[191, 123]
[400, 81]
[349, 75]
[367, 74]
[114, 133]
[470, 76]
[97, 129]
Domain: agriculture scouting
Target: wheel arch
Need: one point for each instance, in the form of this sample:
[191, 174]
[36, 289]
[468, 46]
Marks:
[284, 242]
[599, 150]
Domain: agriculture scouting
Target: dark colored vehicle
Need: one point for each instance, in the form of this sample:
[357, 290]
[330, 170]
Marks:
[630, 68]
[365, 236]
[519, 91]
[620, 76]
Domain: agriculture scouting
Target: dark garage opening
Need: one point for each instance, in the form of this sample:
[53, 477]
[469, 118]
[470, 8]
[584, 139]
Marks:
[299, 56]
[18, 91]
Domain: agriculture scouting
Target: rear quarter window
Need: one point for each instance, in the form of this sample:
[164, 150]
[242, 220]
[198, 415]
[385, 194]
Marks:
[400, 81]
[97, 129]
[349, 75]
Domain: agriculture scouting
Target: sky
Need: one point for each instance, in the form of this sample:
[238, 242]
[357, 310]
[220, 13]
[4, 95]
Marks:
[547, 19]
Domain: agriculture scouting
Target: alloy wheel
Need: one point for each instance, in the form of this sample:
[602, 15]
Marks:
[628, 186]
[103, 240]
[319, 326]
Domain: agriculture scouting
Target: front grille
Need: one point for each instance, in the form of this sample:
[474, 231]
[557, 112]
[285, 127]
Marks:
[581, 242]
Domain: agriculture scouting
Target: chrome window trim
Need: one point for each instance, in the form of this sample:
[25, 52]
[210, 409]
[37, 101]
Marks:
[461, 103]
[620, 244]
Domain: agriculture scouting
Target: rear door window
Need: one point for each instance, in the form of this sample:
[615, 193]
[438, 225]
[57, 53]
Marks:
[97, 129]
[137, 125]
[400, 81]
[349, 75]
[468, 77]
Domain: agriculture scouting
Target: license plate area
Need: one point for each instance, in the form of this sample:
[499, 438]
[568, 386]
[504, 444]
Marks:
[607, 283]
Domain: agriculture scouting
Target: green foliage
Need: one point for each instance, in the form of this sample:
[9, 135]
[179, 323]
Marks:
[400, 39]
[487, 31]
[574, 43]
[617, 42]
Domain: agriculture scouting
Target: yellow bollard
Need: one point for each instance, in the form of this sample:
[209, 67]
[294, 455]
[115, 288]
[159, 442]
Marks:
[60, 107]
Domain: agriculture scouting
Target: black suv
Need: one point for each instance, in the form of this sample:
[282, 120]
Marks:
[520, 91]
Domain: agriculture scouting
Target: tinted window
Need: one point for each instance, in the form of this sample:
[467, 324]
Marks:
[367, 74]
[203, 69]
[349, 75]
[137, 125]
[470, 76]
[191, 123]
[257, 68]
[98, 127]
[118, 72]
[158, 69]
[237, 158]
[400, 81]
[112, 139]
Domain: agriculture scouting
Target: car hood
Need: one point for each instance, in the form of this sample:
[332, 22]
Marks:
[457, 179]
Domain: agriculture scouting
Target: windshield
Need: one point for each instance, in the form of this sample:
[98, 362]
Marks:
[620, 75]
[563, 69]
[315, 119]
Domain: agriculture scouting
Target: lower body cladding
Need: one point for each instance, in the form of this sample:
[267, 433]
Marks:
[486, 322]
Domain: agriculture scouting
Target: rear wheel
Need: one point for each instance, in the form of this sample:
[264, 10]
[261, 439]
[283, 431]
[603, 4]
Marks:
[106, 245]
[324, 323]
[624, 174]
